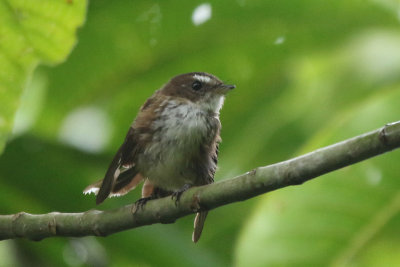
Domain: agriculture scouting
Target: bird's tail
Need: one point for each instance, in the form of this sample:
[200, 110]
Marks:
[125, 182]
[198, 225]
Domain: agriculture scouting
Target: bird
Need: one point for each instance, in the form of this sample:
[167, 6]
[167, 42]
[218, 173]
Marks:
[172, 145]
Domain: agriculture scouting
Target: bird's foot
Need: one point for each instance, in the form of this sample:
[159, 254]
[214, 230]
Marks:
[142, 201]
[177, 194]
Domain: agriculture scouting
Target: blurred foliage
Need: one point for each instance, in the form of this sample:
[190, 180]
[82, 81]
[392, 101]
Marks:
[31, 33]
[308, 74]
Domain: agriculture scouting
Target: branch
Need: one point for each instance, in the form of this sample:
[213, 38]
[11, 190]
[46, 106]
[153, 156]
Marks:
[258, 181]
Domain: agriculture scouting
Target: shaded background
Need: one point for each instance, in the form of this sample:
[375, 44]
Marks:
[308, 74]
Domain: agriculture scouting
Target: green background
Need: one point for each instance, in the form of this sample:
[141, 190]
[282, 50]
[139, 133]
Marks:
[308, 74]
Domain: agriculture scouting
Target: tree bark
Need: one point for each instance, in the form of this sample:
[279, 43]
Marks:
[258, 181]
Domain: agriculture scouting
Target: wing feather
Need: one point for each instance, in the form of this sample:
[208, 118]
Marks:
[122, 156]
[138, 136]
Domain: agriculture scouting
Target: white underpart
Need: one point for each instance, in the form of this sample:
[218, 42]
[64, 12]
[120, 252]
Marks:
[202, 78]
[220, 104]
[192, 124]
[179, 134]
[183, 120]
[212, 102]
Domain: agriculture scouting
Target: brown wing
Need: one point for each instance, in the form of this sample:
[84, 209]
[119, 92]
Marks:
[214, 158]
[124, 185]
[139, 134]
[124, 181]
[122, 157]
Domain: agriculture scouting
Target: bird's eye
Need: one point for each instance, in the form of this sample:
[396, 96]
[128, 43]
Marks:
[197, 85]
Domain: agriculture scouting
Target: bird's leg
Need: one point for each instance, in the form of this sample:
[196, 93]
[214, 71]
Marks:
[177, 194]
[150, 192]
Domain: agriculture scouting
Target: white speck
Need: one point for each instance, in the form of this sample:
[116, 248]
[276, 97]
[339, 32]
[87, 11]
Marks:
[201, 14]
[280, 40]
[87, 128]
[202, 78]
[374, 176]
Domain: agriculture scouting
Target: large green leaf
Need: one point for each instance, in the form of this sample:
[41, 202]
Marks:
[32, 32]
[333, 219]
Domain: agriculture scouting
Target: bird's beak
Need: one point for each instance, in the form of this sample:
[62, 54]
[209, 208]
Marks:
[229, 86]
[224, 88]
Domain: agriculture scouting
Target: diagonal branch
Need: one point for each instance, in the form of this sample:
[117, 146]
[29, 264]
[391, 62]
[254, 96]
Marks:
[258, 181]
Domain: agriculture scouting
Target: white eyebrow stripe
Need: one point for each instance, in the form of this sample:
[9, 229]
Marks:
[202, 78]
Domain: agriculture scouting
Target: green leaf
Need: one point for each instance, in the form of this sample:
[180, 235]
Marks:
[330, 220]
[32, 32]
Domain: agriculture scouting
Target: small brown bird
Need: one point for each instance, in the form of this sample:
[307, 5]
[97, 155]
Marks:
[172, 144]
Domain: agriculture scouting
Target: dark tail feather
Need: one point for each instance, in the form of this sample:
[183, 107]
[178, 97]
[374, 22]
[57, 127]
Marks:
[124, 179]
[109, 179]
[198, 225]
[93, 188]
[123, 156]
[125, 182]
